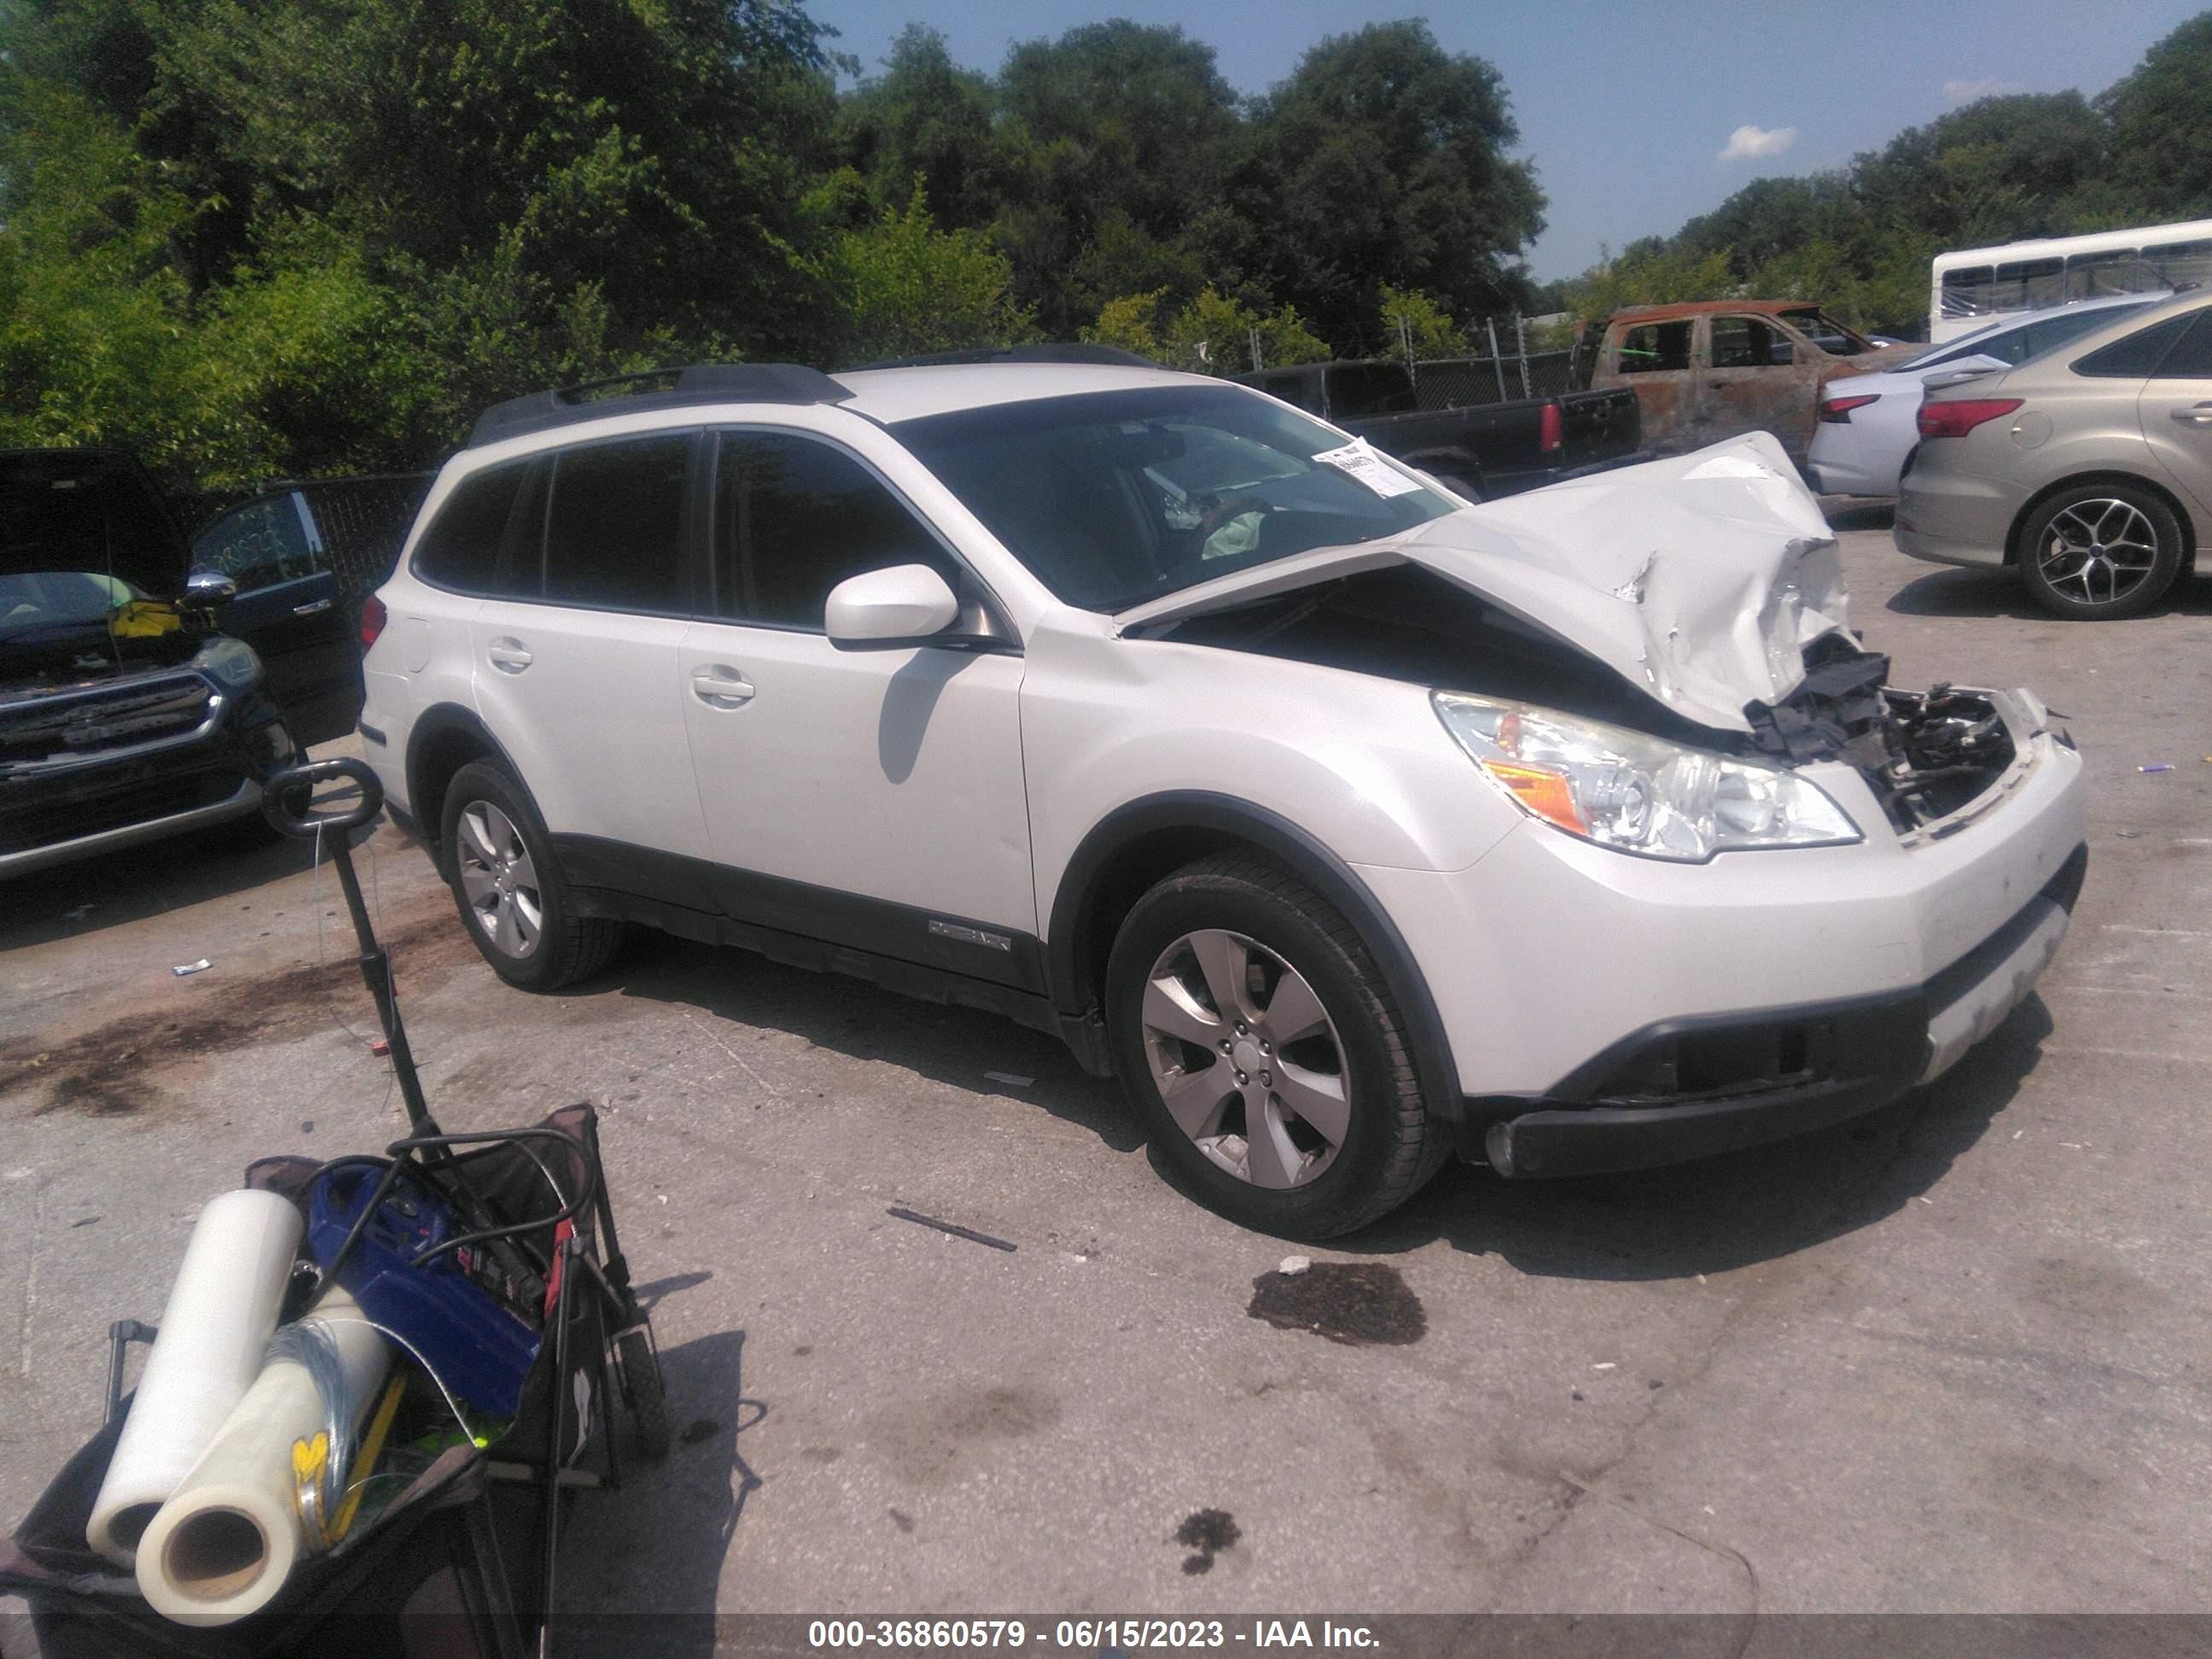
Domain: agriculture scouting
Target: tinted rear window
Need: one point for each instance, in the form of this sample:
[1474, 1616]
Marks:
[614, 530]
[2192, 359]
[2136, 355]
[460, 549]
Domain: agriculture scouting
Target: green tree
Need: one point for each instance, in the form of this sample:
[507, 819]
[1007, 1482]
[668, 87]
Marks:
[2161, 127]
[1211, 334]
[1115, 136]
[1386, 159]
[1650, 273]
[927, 117]
[908, 288]
[1417, 318]
[400, 210]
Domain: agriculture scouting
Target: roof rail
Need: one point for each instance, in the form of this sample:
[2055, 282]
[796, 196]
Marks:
[657, 388]
[1073, 352]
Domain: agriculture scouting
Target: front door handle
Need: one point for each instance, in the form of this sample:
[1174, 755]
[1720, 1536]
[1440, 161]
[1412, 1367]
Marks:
[721, 686]
[313, 608]
[2200, 415]
[509, 655]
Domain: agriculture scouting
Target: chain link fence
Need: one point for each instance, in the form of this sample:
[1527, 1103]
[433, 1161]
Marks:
[1457, 382]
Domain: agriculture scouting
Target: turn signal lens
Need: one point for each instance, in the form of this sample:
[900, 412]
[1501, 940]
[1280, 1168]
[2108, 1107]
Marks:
[372, 618]
[1957, 418]
[1549, 795]
[1836, 411]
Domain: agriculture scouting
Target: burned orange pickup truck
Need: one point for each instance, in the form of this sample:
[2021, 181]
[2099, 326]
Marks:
[1708, 369]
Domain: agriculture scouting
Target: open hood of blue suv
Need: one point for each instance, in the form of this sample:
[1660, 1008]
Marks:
[93, 512]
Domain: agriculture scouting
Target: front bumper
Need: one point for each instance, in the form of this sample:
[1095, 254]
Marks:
[1863, 968]
[55, 817]
[1794, 1069]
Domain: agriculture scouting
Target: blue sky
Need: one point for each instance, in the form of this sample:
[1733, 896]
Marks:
[1627, 109]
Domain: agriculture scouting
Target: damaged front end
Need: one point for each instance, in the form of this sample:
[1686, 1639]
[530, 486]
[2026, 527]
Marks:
[1927, 755]
[1698, 601]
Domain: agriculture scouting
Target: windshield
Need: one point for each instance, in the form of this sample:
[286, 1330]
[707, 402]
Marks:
[1113, 498]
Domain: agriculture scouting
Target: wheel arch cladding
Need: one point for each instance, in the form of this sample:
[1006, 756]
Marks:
[1138, 844]
[444, 738]
[2033, 505]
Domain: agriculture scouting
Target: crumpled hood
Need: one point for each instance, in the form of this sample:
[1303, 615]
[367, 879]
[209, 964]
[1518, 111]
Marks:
[1700, 578]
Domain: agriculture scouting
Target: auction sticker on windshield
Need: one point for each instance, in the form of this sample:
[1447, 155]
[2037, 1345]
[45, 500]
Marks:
[1356, 461]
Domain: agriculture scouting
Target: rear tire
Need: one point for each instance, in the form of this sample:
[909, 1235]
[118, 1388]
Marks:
[507, 884]
[1310, 1123]
[2100, 551]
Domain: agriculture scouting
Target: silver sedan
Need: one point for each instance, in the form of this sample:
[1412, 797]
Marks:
[2088, 468]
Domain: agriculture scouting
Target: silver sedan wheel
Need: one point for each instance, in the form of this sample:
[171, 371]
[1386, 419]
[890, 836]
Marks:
[1246, 1059]
[2098, 551]
[500, 880]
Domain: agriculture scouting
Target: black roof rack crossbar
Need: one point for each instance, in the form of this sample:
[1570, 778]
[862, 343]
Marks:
[1076, 352]
[657, 388]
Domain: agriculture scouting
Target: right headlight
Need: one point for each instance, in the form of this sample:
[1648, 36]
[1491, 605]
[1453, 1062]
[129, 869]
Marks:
[1634, 791]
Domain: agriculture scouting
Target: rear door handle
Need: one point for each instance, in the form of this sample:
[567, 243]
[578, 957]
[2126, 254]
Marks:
[721, 686]
[313, 608]
[2200, 415]
[509, 655]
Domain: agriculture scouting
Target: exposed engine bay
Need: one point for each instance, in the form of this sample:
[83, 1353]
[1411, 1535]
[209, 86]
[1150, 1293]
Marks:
[1924, 754]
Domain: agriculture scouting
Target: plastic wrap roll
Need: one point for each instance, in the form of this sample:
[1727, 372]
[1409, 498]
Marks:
[221, 1312]
[223, 1545]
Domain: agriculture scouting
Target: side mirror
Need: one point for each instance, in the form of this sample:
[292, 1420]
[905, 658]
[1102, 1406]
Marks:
[210, 588]
[881, 609]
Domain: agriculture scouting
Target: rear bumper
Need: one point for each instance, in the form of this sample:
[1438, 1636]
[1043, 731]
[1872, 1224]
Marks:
[1829, 1063]
[1949, 518]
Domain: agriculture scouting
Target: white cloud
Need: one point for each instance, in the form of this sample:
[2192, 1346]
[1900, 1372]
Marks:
[1751, 144]
[1965, 91]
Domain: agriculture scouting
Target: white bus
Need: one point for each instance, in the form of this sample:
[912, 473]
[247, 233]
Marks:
[1980, 285]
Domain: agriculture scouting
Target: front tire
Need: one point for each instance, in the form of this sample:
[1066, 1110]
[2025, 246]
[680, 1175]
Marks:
[2100, 551]
[507, 884]
[1264, 1054]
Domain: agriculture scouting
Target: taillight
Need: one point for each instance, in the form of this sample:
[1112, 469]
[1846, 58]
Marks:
[1957, 419]
[1838, 410]
[1552, 432]
[372, 618]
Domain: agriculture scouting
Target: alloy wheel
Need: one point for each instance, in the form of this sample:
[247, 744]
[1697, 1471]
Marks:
[2098, 551]
[500, 880]
[1246, 1058]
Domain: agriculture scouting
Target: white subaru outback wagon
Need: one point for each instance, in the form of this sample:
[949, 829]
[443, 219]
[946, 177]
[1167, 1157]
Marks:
[1349, 825]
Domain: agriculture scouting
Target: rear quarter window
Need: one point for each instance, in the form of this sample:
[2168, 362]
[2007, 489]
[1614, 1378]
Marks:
[2135, 356]
[461, 547]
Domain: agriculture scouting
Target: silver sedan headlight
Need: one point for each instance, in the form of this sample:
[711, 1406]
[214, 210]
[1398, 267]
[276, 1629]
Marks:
[1636, 792]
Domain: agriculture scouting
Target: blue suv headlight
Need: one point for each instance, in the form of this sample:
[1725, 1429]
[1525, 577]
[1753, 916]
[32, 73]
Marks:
[231, 664]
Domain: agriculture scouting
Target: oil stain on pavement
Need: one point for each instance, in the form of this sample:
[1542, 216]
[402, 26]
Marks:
[1356, 1303]
[1206, 1532]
